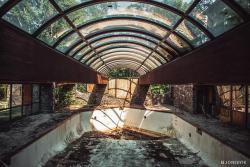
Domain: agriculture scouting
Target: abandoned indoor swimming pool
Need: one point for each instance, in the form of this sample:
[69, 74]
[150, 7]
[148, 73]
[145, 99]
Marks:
[124, 137]
[124, 83]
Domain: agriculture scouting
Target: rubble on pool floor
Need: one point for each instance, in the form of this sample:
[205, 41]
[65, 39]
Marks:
[125, 148]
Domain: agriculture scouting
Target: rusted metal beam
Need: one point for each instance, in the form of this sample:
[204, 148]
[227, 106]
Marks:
[225, 60]
[24, 59]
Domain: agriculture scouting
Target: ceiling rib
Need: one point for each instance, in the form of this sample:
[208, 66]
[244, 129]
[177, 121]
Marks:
[116, 42]
[124, 29]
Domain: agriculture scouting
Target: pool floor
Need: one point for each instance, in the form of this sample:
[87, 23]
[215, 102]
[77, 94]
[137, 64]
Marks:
[123, 148]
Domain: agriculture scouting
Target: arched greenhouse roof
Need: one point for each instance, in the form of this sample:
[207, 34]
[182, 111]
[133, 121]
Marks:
[141, 35]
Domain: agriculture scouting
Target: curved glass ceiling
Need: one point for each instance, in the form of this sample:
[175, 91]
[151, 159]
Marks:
[139, 35]
[123, 8]
[125, 24]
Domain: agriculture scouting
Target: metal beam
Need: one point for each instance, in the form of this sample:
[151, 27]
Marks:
[121, 42]
[225, 60]
[27, 60]
[127, 35]
[126, 29]
[127, 58]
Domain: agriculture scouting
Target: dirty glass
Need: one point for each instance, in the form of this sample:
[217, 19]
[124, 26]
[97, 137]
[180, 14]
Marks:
[193, 34]
[4, 96]
[245, 4]
[81, 53]
[2, 2]
[124, 34]
[29, 15]
[178, 43]
[216, 16]
[224, 95]
[178, 4]
[65, 4]
[134, 9]
[124, 23]
[68, 42]
[129, 39]
[54, 31]
[75, 49]
[238, 98]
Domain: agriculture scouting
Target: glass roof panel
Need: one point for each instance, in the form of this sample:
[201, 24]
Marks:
[125, 63]
[89, 62]
[123, 34]
[164, 45]
[79, 55]
[76, 48]
[192, 33]
[29, 15]
[132, 39]
[65, 4]
[123, 8]
[87, 56]
[132, 50]
[163, 52]
[68, 42]
[178, 4]
[216, 16]
[158, 57]
[155, 58]
[2, 2]
[125, 55]
[123, 44]
[54, 31]
[125, 24]
[122, 57]
[110, 46]
[178, 43]
[245, 4]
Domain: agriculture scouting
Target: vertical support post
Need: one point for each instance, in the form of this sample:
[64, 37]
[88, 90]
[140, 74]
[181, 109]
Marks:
[22, 100]
[130, 90]
[31, 98]
[231, 103]
[246, 105]
[115, 87]
[10, 113]
[39, 103]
